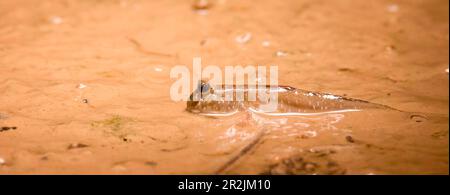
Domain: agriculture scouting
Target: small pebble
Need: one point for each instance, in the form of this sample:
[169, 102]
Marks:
[446, 70]
[265, 43]
[281, 54]
[2, 161]
[81, 86]
[85, 101]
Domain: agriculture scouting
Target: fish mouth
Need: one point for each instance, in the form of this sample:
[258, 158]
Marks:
[201, 94]
[191, 104]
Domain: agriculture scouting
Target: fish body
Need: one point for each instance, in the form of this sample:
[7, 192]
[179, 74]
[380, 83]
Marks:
[228, 100]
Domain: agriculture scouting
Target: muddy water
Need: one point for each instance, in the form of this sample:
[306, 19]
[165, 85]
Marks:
[86, 84]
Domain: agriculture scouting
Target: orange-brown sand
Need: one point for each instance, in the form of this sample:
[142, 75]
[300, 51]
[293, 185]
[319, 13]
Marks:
[86, 84]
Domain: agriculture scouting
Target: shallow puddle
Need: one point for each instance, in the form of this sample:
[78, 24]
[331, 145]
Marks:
[85, 86]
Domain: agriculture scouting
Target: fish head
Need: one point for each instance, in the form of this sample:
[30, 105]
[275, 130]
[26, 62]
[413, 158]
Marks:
[206, 100]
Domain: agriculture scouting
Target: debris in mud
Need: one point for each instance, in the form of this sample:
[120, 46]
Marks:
[81, 86]
[151, 163]
[85, 101]
[390, 49]
[418, 118]
[440, 134]
[2, 161]
[244, 38]
[303, 164]
[115, 123]
[173, 149]
[76, 145]
[293, 166]
[203, 42]
[321, 151]
[345, 70]
[120, 127]
[350, 139]
[281, 54]
[7, 128]
[446, 70]
[201, 5]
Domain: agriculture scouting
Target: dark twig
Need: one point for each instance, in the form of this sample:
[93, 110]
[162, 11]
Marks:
[243, 152]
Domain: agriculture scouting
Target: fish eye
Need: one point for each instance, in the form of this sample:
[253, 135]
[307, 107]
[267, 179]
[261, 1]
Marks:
[204, 88]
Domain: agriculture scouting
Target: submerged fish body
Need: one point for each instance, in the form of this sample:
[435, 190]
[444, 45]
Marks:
[335, 123]
[207, 100]
[298, 113]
